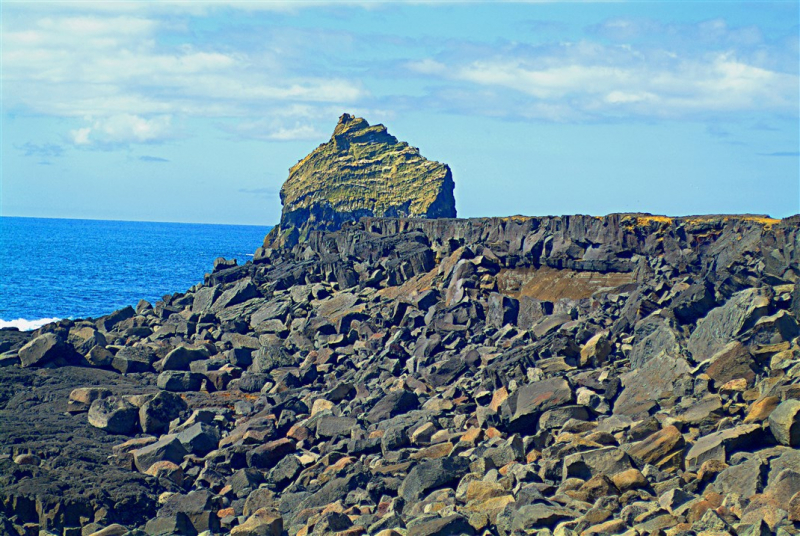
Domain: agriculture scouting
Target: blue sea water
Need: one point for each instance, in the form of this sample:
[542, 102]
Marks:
[58, 268]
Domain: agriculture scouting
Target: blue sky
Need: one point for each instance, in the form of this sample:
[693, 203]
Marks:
[173, 111]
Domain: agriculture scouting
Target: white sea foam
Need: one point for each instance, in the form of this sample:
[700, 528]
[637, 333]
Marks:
[26, 325]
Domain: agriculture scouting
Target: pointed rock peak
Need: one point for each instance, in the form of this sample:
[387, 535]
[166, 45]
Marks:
[362, 171]
[357, 129]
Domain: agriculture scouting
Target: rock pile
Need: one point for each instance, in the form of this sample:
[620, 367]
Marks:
[629, 374]
[569, 376]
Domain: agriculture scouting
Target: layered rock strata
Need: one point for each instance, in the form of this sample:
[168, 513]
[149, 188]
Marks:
[362, 171]
[628, 374]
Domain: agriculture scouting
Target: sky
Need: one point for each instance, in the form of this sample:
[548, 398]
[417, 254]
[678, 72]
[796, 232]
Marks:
[195, 111]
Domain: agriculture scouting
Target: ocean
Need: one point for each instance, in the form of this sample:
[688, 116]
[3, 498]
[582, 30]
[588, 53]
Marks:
[58, 268]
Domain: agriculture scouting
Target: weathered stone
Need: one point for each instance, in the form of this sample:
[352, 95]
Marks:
[181, 357]
[534, 398]
[263, 522]
[731, 362]
[268, 454]
[42, 350]
[723, 324]
[454, 525]
[114, 415]
[655, 448]
[392, 404]
[653, 337]
[156, 414]
[132, 359]
[179, 381]
[654, 381]
[167, 448]
[719, 445]
[200, 438]
[784, 423]
[606, 461]
[430, 475]
[319, 191]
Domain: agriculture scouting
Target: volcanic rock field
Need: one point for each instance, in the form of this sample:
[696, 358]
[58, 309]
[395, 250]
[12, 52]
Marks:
[393, 371]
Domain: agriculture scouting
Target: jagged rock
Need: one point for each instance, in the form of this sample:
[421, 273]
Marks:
[784, 423]
[200, 438]
[430, 475]
[167, 448]
[263, 522]
[722, 324]
[328, 187]
[393, 404]
[454, 525]
[181, 357]
[532, 399]
[720, 445]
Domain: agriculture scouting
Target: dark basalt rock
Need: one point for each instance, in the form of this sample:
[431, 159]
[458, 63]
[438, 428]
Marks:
[630, 373]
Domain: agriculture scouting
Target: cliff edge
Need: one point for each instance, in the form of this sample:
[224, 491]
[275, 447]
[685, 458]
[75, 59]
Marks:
[361, 171]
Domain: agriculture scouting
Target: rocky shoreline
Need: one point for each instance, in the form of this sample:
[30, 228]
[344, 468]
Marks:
[409, 376]
[373, 380]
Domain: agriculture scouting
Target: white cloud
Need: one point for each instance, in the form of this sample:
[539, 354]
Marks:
[122, 129]
[586, 80]
[113, 68]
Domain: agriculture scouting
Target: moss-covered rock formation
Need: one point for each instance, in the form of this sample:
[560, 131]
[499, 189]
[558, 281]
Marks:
[362, 171]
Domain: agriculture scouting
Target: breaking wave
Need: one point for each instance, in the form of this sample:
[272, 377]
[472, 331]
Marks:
[26, 325]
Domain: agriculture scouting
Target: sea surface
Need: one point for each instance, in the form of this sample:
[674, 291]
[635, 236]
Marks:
[57, 268]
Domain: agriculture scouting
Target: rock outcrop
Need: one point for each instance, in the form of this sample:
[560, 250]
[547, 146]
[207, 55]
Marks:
[362, 171]
[628, 374]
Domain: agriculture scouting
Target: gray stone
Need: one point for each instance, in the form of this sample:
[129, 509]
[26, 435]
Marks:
[604, 461]
[200, 438]
[393, 404]
[179, 381]
[167, 448]
[453, 525]
[42, 350]
[156, 414]
[114, 415]
[430, 475]
[182, 356]
[725, 323]
[784, 423]
[720, 445]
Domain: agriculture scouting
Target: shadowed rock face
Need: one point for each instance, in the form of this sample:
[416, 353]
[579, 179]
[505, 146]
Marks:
[362, 171]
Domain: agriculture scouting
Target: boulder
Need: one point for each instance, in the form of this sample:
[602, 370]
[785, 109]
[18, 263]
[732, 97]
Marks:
[720, 445]
[263, 522]
[181, 357]
[168, 448]
[393, 404]
[42, 350]
[114, 415]
[179, 381]
[532, 399]
[430, 475]
[784, 423]
[200, 438]
[131, 359]
[727, 322]
[156, 414]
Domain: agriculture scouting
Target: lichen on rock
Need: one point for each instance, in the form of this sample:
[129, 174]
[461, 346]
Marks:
[361, 171]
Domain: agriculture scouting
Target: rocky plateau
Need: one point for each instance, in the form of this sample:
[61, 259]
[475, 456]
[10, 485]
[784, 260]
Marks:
[394, 371]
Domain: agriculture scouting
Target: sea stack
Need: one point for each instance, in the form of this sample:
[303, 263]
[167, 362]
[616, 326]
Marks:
[361, 171]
